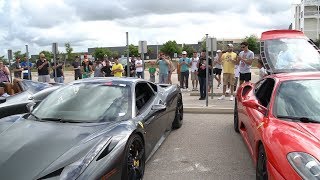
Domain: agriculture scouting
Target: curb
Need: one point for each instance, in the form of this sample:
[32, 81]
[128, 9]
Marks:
[214, 94]
[207, 110]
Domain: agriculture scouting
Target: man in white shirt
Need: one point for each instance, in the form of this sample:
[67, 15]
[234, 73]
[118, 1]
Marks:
[245, 59]
[194, 71]
[139, 67]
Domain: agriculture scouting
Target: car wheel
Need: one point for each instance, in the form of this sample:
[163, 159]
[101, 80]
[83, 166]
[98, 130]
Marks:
[134, 165]
[236, 117]
[177, 122]
[261, 168]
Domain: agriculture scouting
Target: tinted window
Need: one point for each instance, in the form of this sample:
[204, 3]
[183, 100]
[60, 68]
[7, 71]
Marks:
[298, 98]
[264, 91]
[87, 103]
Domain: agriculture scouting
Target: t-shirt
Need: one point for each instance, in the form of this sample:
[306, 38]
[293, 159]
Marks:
[17, 74]
[163, 67]
[152, 70]
[236, 71]
[228, 62]
[202, 67]
[184, 67]
[25, 67]
[262, 73]
[107, 71]
[76, 64]
[58, 69]
[138, 62]
[194, 64]
[117, 66]
[218, 66]
[45, 68]
[245, 68]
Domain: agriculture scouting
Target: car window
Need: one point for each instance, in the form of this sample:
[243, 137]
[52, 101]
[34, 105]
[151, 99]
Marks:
[264, 91]
[298, 98]
[144, 94]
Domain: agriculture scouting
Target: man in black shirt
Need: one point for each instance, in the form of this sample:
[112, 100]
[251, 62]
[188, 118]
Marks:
[106, 70]
[59, 78]
[77, 68]
[43, 69]
[202, 74]
[17, 69]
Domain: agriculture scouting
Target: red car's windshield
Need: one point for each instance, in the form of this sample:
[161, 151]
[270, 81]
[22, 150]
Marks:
[298, 98]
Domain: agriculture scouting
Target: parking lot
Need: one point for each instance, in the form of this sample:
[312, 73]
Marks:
[205, 147]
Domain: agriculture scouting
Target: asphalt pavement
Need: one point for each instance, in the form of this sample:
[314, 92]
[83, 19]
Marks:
[204, 148]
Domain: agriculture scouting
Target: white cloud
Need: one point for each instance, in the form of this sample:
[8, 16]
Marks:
[99, 23]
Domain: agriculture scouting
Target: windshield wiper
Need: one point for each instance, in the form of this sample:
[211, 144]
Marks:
[61, 120]
[301, 119]
[37, 118]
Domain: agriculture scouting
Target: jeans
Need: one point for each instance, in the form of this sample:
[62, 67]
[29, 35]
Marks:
[59, 79]
[152, 78]
[184, 79]
[139, 75]
[77, 76]
[163, 78]
[203, 91]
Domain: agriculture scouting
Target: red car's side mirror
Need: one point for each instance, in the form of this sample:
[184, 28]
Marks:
[254, 104]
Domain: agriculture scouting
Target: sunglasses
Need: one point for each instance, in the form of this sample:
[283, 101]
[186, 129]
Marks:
[242, 46]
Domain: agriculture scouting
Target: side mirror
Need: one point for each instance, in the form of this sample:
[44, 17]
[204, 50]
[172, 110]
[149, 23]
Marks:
[30, 106]
[158, 107]
[254, 104]
[2, 100]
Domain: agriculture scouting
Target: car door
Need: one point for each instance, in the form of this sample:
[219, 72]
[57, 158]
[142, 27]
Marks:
[255, 118]
[152, 120]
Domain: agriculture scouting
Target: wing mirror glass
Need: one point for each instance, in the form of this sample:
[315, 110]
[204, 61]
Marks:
[30, 106]
[254, 104]
[158, 107]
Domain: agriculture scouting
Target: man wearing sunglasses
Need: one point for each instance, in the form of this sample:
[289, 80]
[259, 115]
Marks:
[245, 59]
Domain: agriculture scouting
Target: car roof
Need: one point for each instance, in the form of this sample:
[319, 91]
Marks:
[125, 80]
[296, 76]
[277, 34]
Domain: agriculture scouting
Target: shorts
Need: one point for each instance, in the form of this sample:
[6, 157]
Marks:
[194, 76]
[228, 78]
[44, 78]
[217, 71]
[236, 81]
[245, 77]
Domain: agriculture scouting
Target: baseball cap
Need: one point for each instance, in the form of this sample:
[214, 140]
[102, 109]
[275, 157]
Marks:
[230, 45]
[219, 51]
[184, 52]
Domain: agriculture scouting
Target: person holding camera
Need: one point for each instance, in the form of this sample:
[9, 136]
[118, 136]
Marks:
[43, 69]
[185, 64]
[163, 69]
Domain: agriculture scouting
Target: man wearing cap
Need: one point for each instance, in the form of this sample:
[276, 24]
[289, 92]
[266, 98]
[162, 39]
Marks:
[245, 59]
[218, 68]
[228, 61]
[185, 64]
[43, 69]
[194, 71]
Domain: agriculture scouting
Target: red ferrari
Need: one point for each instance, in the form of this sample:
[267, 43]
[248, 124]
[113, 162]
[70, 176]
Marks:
[279, 116]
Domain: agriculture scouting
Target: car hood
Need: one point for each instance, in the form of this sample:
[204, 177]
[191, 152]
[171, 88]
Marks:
[16, 99]
[31, 148]
[312, 128]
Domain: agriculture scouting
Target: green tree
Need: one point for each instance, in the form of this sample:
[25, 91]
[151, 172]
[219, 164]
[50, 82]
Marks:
[48, 54]
[189, 49]
[69, 50]
[115, 54]
[171, 47]
[99, 53]
[150, 50]
[254, 43]
[133, 50]
[19, 54]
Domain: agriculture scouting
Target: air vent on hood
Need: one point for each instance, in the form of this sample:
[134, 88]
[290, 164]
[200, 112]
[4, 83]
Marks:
[53, 174]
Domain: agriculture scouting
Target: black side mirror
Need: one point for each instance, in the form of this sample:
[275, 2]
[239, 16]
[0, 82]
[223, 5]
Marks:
[2, 100]
[158, 107]
[30, 106]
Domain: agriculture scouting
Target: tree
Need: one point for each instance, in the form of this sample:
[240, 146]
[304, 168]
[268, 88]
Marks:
[133, 50]
[69, 50]
[171, 47]
[150, 50]
[253, 43]
[99, 53]
[189, 49]
[115, 54]
[18, 54]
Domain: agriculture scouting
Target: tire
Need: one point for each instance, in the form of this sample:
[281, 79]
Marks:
[236, 117]
[261, 167]
[177, 122]
[134, 160]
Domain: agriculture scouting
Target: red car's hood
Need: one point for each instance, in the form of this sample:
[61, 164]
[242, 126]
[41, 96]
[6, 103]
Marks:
[312, 128]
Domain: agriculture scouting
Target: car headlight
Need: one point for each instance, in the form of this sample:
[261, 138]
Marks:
[306, 165]
[74, 170]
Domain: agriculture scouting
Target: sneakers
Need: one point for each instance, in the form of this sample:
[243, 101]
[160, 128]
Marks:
[228, 91]
[231, 98]
[202, 98]
[222, 97]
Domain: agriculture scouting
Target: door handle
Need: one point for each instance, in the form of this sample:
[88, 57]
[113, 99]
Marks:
[149, 120]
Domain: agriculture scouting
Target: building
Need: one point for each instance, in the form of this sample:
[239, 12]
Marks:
[306, 18]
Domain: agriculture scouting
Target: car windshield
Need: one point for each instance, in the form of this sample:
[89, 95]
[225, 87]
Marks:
[86, 102]
[34, 86]
[298, 98]
[290, 55]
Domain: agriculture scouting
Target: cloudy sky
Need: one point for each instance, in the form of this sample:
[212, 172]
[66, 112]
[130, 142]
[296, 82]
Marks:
[100, 23]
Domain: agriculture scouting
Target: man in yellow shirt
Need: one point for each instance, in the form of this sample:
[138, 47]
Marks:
[228, 61]
[117, 68]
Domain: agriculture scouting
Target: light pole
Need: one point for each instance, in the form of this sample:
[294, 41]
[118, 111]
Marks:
[128, 69]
